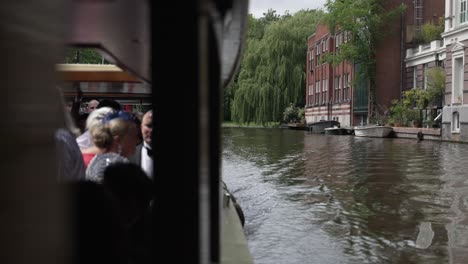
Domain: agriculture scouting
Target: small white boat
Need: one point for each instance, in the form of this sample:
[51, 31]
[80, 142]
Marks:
[372, 131]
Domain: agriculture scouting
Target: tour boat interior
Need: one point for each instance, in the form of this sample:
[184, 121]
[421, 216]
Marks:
[179, 69]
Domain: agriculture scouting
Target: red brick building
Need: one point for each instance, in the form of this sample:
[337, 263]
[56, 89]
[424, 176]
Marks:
[330, 94]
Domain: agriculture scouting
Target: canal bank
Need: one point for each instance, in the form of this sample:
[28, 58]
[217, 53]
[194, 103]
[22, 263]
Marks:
[413, 132]
[427, 134]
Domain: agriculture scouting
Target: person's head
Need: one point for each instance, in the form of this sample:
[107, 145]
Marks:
[92, 105]
[117, 134]
[147, 127]
[110, 103]
[95, 118]
[69, 120]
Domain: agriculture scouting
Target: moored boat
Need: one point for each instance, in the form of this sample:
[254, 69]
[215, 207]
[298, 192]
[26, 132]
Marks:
[319, 127]
[372, 131]
[297, 126]
[337, 131]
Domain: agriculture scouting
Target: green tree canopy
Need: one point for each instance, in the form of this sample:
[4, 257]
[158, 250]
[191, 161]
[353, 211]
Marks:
[255, 32]
[273, 69]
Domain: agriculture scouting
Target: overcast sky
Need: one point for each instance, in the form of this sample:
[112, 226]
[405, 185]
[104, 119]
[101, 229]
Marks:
[258, 7]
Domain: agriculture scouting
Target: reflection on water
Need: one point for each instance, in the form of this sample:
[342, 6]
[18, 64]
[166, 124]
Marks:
[340, 199]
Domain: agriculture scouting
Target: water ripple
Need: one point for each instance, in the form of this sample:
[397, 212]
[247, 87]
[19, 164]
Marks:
[323, 199]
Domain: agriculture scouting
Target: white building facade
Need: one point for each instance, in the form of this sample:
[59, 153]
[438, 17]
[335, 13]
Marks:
[455, 111]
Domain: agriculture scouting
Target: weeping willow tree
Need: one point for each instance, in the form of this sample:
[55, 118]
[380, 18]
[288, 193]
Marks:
[255, 32]
[367, 21]
[272, 73]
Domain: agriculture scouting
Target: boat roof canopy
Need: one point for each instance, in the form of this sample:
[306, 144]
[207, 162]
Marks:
[101, 80]
[94, 73]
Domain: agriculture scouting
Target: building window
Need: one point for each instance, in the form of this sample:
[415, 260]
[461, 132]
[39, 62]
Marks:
[346, 87]
[311, 60]
[324, 90]
[317, 54]
[311, 94]
[440, 63]
[425, 76]
[463, 14]
[415, 77]
[337, 88]
[455, 122]
[347, 36]
[317, 92]
[457, 85]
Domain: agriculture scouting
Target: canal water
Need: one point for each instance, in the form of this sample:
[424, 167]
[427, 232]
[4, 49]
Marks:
[312, 198]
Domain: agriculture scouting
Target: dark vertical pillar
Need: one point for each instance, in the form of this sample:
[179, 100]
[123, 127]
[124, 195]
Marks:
[32, 206]
[175, 84]
[186, 83]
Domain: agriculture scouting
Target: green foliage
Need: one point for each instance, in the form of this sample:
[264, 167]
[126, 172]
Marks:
[301, 114]
[416, 99]
[84, 55]
[410, 106]
[257, 26]
[229, 93]
[401, 114]
[382, 116]
[290, 114]
[293, 114]
[431, 31]
[435, 85]
[272, 73]
[398, 114]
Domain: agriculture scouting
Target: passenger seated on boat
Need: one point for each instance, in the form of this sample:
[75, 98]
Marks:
[69, 162]
[130, 187]
[70, 165]
[144, 152]
[97, 231]
[132, 192]
[92, 105]
[85, 140]
[116, 139]
[112, 220]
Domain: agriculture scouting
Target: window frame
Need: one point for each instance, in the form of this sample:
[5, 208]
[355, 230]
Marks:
[455, 122]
